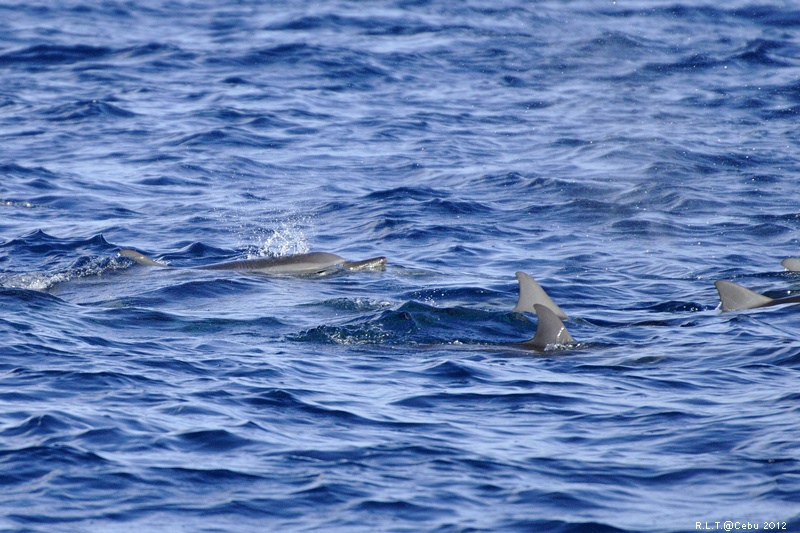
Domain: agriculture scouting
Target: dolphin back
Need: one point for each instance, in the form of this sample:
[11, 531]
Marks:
[301, 264]
[296, 265]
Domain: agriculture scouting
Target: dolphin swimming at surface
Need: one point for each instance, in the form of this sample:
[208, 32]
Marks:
[551, 331]
[531, 293]
[551, 335]
[734, 297]
[791, 263]
[291, 265]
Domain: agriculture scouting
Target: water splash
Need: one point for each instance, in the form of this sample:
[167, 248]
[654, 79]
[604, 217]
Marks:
[279, 233]
[34, 281]
[287, 238]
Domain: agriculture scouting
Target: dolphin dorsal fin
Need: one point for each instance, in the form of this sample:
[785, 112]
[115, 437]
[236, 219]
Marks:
[141, 258]
[791, 263]
[735, 297]
[531, 293]
[550, 331]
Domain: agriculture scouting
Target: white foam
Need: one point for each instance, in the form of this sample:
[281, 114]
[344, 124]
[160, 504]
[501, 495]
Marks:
[44, 281]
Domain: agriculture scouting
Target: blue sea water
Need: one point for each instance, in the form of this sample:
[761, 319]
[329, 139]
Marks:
[625, 154]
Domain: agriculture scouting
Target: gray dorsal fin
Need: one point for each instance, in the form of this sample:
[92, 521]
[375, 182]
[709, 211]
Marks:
[141, 258]
[531, 293]
[550, 331]
[791, 263]
[735, 297]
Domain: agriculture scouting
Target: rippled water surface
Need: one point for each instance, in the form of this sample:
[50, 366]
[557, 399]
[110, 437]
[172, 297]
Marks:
[625, 154]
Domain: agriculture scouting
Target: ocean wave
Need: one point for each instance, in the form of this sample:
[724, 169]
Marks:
[626, 156]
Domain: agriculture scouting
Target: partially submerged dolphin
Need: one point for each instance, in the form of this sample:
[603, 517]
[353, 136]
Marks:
[291, 265]
[551, 331]
[791, 263]
[735, 297]
[531, 293]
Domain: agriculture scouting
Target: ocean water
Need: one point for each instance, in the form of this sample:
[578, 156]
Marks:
[626, 154]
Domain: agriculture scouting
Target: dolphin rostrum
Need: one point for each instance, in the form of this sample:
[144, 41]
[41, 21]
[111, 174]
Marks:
[292, 265]
[531, 293]
[735, 297]
[791, 263]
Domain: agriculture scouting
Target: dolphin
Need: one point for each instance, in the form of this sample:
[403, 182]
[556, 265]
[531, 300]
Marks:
[791, 263]
[735, 297]
[531, 293]
[550, 333]
[293, 265]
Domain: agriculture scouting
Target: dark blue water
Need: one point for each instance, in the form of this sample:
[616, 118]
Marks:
[626, 154]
